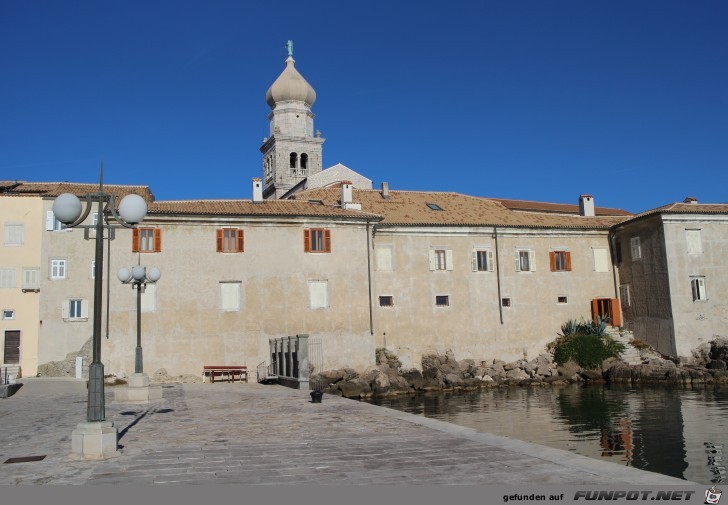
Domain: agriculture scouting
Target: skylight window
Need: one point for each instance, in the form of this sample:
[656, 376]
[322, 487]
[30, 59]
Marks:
[434, 206]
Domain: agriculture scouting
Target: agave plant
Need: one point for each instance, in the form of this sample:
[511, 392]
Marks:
[570, 327]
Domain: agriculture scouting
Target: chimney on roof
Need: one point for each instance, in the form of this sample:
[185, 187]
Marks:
[257, 191]
[346, 193]
[586, 205]
[385, 190]
[691, 200]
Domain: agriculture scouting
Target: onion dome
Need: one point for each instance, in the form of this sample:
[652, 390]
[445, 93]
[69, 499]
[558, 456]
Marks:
[290, 85]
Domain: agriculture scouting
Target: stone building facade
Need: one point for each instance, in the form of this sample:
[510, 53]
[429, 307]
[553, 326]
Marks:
[674, 275]
[354, 267]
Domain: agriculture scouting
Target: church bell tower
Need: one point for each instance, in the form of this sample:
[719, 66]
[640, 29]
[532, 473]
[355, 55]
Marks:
[293, 151]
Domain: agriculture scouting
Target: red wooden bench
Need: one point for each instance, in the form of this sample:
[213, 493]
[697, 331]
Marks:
[225, 371]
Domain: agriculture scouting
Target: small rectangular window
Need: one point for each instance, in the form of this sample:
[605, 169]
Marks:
[7, 278]
[53, 224]
[31, 278]
[483, 260]
[635, 248]
[560, 261]
[230, 296]
[441, 259]
[58, 269]
[505, 302]
[698, 287]
[146, 240]
[318, 292]
[13, 234]
[75, 310]
[624, 295]
[386, 301]
[383, 258]
[525, 261]
[601, 259]
[8, 314]
[230, 240]
[434, 206]
[442, 300]
[563, 299]
[695, 245]
[317, 240]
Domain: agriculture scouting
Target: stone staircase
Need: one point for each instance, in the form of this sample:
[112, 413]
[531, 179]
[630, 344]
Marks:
[631, 355]
[9, 373]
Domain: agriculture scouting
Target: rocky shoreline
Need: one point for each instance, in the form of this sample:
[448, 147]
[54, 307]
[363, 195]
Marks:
[442, 372]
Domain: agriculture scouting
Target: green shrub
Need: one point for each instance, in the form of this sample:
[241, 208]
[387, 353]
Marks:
[586, 343]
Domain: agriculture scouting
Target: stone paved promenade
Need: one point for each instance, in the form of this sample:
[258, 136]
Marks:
[256, 434]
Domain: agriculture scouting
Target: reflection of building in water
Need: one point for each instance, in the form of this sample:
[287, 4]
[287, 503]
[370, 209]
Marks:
[659, 442]
[715, 462]
[619, 439]
[702, 416]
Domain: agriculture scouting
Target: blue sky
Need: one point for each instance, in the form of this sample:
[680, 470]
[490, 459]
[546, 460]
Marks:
[536, 100]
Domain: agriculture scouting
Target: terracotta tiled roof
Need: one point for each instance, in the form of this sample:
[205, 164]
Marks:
[53, 189]
[411, 208]
[561, 208]
[687, 208]
[248, 208]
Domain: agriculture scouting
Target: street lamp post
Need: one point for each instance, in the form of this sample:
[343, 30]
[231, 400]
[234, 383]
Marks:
[138, 277]
[97, 437]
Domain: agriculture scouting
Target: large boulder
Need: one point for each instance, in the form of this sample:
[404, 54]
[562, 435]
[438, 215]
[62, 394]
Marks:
[516, 373]
[569, 369]
[334, 376]
[354, 388]
[454, 380]
[716, 364]
[380, 384]
[433, 379]
[414, 378]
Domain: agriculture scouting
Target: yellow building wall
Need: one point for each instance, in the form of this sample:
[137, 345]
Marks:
[28, 212]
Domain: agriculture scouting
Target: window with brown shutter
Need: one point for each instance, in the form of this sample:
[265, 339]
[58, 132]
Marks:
[146, 240]
[317, 240]
[229, 240]
[560, 261]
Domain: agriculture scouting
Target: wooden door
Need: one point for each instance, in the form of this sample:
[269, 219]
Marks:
[12, 347]
[607, 308]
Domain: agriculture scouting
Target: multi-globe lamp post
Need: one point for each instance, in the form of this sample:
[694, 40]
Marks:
[139, 277]
[97, 437]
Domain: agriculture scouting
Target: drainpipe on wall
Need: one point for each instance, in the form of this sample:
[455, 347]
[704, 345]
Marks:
[497, 274]
[369, 279]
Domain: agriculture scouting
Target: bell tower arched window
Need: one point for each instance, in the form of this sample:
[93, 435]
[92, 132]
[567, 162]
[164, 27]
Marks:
[294, 160]
[304, 161]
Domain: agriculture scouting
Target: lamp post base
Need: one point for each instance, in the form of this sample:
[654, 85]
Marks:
[138, 390]
[94, 440]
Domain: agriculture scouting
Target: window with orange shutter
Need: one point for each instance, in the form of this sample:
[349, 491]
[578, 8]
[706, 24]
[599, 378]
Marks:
[317, 240]
[560, 261]
[230, 240]
[146, 240]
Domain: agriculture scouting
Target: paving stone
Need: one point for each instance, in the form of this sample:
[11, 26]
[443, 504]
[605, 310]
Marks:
[255, 434]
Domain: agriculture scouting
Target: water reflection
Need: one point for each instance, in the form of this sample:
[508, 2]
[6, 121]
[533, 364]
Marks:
[673, 431]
